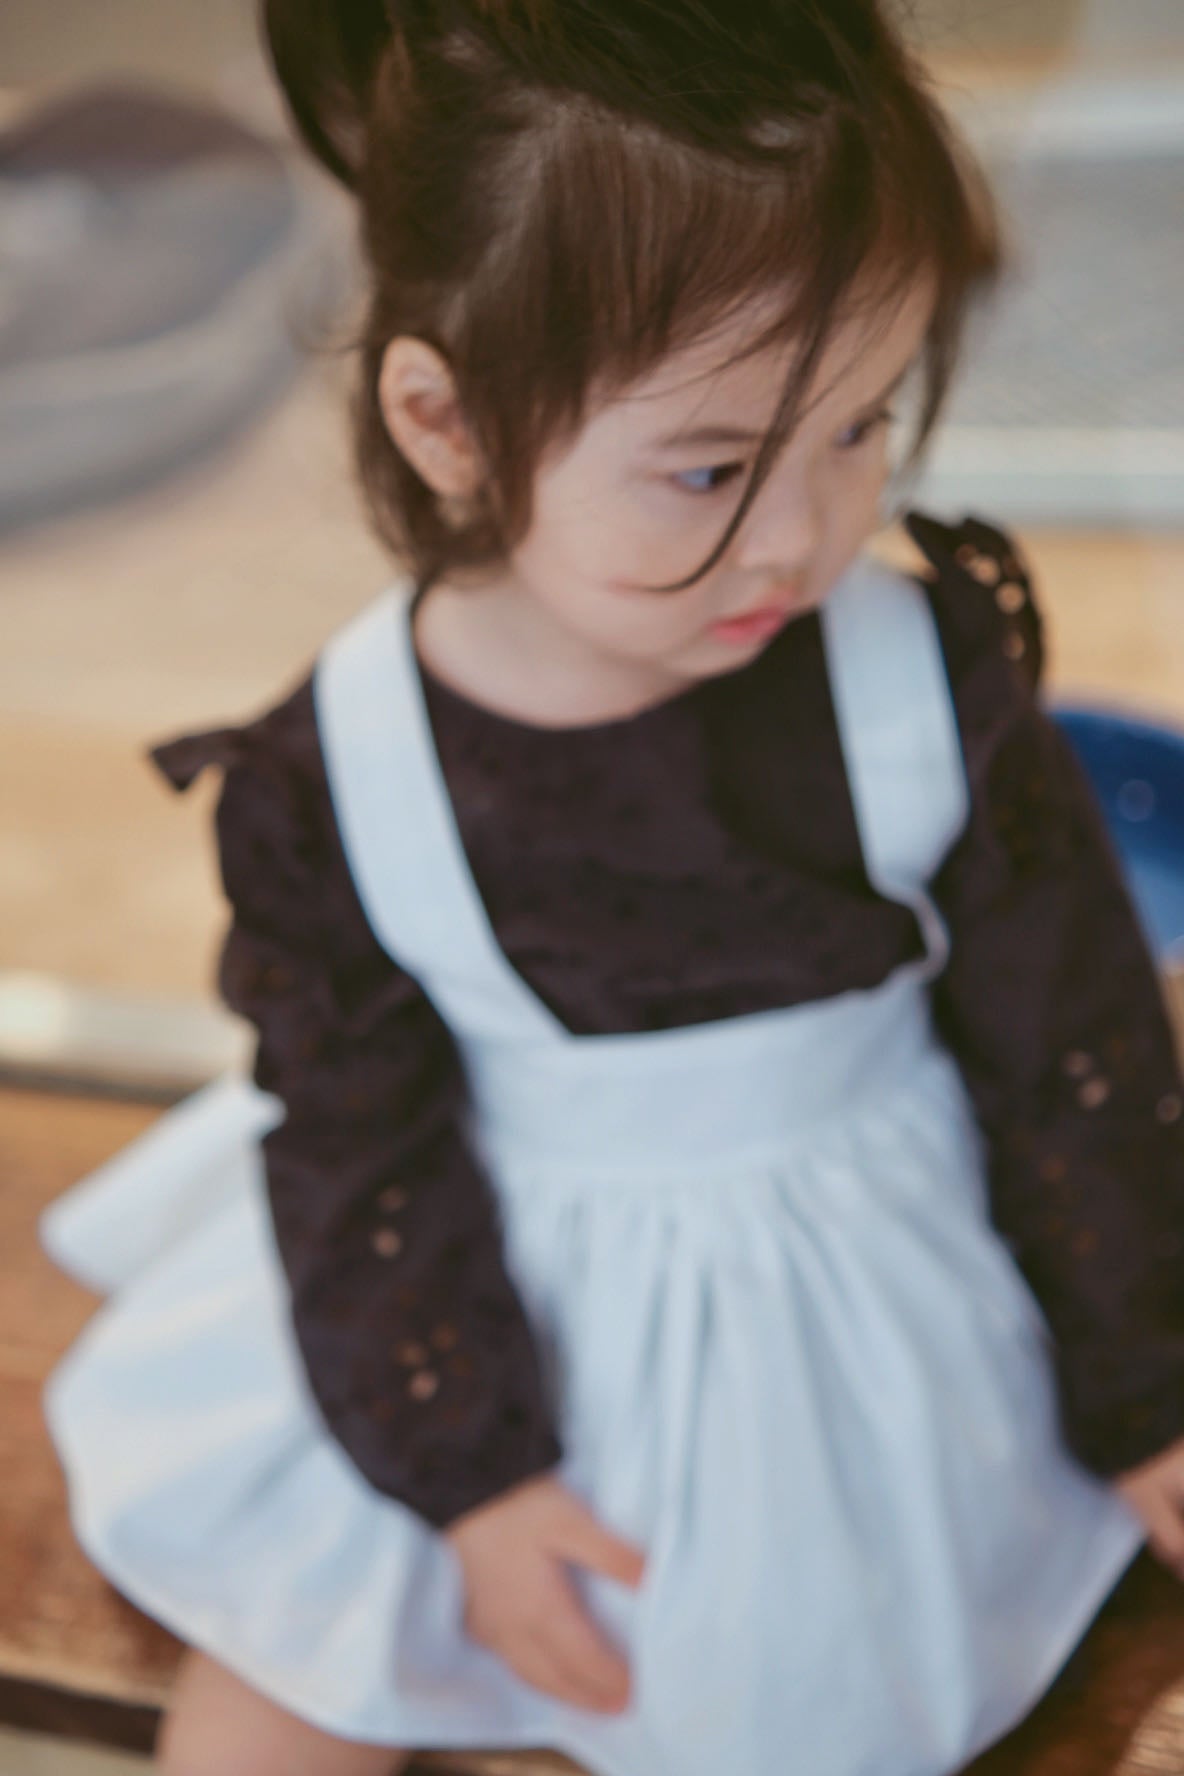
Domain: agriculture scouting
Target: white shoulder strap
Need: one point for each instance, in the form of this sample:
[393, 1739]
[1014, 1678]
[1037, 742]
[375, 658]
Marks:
[398, 827]
[898, 730]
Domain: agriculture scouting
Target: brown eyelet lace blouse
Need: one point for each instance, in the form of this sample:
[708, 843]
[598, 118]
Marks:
[700, 861]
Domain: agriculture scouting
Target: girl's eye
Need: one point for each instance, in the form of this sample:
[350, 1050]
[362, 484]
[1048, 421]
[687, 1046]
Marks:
[864, 429]
[700, 480]
[714, 479]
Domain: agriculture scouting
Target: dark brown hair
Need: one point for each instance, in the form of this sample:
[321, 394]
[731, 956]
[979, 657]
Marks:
[557, 193]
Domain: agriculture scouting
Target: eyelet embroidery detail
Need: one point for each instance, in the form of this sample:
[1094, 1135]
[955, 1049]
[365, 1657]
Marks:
[1077, 1064]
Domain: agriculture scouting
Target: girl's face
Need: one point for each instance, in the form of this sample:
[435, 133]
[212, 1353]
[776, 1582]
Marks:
[646, 490]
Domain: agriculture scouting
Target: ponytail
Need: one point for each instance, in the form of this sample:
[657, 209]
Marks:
[326, 56]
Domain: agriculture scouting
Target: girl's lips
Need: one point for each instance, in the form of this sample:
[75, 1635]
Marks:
[758, 625]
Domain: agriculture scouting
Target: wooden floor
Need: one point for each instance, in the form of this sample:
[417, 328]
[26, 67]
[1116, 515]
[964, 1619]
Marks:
[25, 1754]
[180, 608]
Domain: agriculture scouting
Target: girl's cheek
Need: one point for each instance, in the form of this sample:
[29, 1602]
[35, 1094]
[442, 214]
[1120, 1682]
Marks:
[654, 559]
[861, 487]
[684, 538]
[670, 515]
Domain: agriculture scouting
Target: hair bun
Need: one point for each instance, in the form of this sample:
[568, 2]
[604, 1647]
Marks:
[633, 57]
[326, 54]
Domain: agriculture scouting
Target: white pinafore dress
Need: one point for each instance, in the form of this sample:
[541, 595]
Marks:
[790, 1356]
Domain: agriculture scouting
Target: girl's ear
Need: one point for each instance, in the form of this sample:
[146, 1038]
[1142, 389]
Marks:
[423, 414]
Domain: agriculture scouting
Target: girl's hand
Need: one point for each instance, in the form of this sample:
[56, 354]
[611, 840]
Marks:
[521, 1604]
[1155, 1490]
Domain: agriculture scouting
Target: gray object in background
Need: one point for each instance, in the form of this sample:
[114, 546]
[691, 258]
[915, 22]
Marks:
[96, 1041]
[1077, 28]
[161, 270]
[1072, 405]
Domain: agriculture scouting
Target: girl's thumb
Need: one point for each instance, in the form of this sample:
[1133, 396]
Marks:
[588, 1542]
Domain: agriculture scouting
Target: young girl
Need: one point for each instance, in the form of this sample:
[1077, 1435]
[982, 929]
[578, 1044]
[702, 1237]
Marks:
[699, 1284]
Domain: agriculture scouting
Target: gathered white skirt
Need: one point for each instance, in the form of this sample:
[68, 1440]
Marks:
[799, 1368]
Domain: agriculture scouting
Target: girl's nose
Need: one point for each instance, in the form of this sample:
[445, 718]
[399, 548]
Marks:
[783, 531]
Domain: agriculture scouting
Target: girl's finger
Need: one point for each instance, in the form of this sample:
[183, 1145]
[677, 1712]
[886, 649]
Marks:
[579, 1645]
[1166, 1526]
[1174, 1562]
[534, 1663]
[541, 1659]
[580, 1688]
[587, 1541]
[556, 1619]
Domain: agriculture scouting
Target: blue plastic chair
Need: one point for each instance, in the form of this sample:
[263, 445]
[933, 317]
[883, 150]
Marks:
[1137, 771]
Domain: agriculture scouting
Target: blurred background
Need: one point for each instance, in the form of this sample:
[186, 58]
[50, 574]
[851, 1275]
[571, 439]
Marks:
[179, 529]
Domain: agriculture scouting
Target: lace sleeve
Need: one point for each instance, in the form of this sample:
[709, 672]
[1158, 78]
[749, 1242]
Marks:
[1054, 1011]
[417, 1349]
